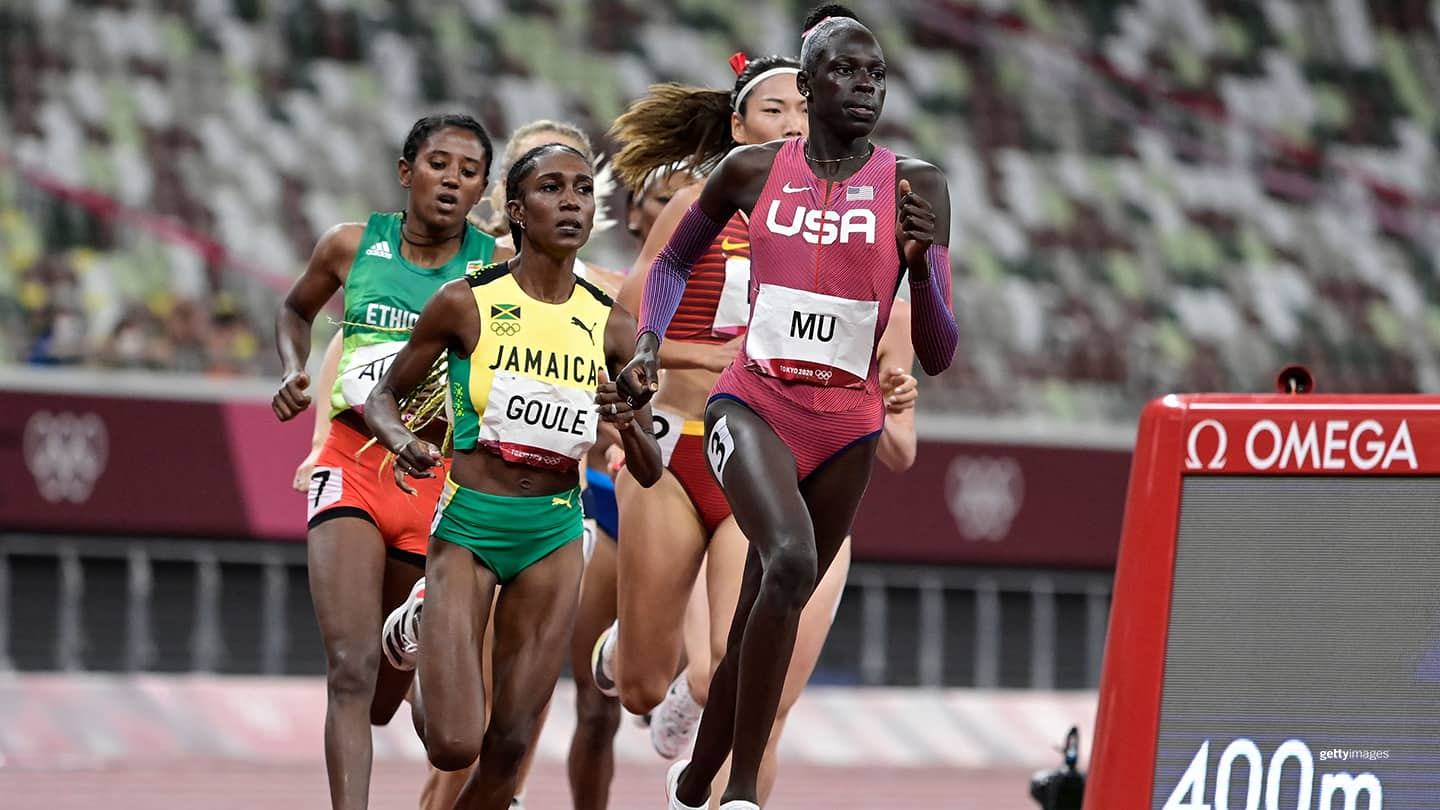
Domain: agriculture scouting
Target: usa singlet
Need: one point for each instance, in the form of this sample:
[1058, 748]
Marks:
[384, 294]
[825, 266]
[527, 390]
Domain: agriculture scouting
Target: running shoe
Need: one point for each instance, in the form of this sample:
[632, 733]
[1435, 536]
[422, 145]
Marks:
[400, 637]
[516, 804]
[739, 804]
[602, 661]
[672, 779]
[672, 726]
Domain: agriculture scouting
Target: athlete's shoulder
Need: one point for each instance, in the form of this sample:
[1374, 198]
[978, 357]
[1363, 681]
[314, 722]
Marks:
[599, 294]
[745, 162]
[914, 169]
[487, 274]
[341, 243]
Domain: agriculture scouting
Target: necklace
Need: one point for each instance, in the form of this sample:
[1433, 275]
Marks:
[812, 159]
[406, 237]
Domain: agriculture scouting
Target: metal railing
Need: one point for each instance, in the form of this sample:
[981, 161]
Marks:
[73, 604]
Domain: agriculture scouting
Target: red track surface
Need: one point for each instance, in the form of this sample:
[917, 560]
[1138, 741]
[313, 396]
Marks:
[230, 786]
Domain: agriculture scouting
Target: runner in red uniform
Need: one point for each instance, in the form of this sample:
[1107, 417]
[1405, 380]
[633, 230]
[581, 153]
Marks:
[791, 428]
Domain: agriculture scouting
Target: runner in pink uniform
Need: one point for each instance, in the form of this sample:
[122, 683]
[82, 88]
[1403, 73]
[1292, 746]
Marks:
[792, 424]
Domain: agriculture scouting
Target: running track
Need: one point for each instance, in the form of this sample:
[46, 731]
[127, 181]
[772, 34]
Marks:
[147, 741]
[200, 784]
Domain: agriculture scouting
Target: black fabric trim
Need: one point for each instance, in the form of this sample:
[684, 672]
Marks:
[595, 291]
[417, 560]
[488, 273]
[341, 512]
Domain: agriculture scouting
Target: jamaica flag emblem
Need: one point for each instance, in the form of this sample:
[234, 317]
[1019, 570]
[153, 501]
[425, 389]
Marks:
[505, 319]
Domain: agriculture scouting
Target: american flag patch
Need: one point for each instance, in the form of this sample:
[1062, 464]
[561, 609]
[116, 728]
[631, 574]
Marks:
[854, 193]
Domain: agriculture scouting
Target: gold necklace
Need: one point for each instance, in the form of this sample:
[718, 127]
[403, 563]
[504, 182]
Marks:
[867, 155]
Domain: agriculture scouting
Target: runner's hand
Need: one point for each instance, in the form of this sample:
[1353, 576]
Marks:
[916, 226]
[291, 400]
[640, 378]
[416, 460]
[302, 473]
[614, 459]
[613, 407]
[899, 388]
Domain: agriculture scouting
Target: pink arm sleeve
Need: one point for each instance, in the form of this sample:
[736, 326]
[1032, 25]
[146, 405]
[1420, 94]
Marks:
[933, 330]
[666, 283]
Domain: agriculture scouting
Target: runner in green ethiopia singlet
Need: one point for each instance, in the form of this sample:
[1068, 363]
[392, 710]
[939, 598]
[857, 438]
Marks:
[384, 294]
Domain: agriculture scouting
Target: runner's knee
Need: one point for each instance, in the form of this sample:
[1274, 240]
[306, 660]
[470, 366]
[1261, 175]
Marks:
[351, 671]
[596, 714]
[791, 569]
[641, 695]
[505, 746]
[452, 752]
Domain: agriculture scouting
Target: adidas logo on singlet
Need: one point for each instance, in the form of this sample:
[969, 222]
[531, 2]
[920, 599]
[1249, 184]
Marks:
[380, 250]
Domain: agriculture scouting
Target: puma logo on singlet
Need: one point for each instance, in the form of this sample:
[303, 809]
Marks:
[589, 330]
[726, 246]
[556, 500]
[824, 227]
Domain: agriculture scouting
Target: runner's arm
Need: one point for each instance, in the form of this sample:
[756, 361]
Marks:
[896, 357]
[449, 321]
[324, 274]
[924, 223]
[642, 452]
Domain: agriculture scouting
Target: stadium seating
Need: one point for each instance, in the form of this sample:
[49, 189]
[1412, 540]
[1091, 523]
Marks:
[1148, 196]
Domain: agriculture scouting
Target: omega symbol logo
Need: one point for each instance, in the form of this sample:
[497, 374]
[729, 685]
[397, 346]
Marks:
[1193, 459]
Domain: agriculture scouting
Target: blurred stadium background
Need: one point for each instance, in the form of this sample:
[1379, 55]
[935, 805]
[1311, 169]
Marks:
[1150, 196]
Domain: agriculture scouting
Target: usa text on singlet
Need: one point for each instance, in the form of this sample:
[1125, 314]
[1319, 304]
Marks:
[823, 257]
[527, 390]
[384, 294]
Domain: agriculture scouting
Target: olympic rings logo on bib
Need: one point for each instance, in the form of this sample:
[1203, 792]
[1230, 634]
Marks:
[824, 374]
[505, 328]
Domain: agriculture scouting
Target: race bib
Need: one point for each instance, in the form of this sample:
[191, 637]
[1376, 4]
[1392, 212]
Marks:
[666, 428]
[719, 447]
[733, 311]
[327, 484]
[364, 368]
[538, 423]
[812, 338]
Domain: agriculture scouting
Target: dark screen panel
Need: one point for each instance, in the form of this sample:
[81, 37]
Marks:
[1305, 622]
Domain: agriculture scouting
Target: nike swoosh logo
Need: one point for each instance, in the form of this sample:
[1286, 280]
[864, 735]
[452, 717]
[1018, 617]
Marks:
[788, 190]
[727, 246]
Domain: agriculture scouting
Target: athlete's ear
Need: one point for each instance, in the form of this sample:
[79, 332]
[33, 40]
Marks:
[402, 168]
[516, 214]
[802, 83]
[737, 128]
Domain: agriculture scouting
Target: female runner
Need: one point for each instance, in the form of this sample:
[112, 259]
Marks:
[835, 222]
[527, 345]
[401, 630]
[591, 760]
[366, 540]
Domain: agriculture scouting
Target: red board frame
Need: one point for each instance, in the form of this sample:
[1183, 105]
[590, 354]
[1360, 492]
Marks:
[1214, 434]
